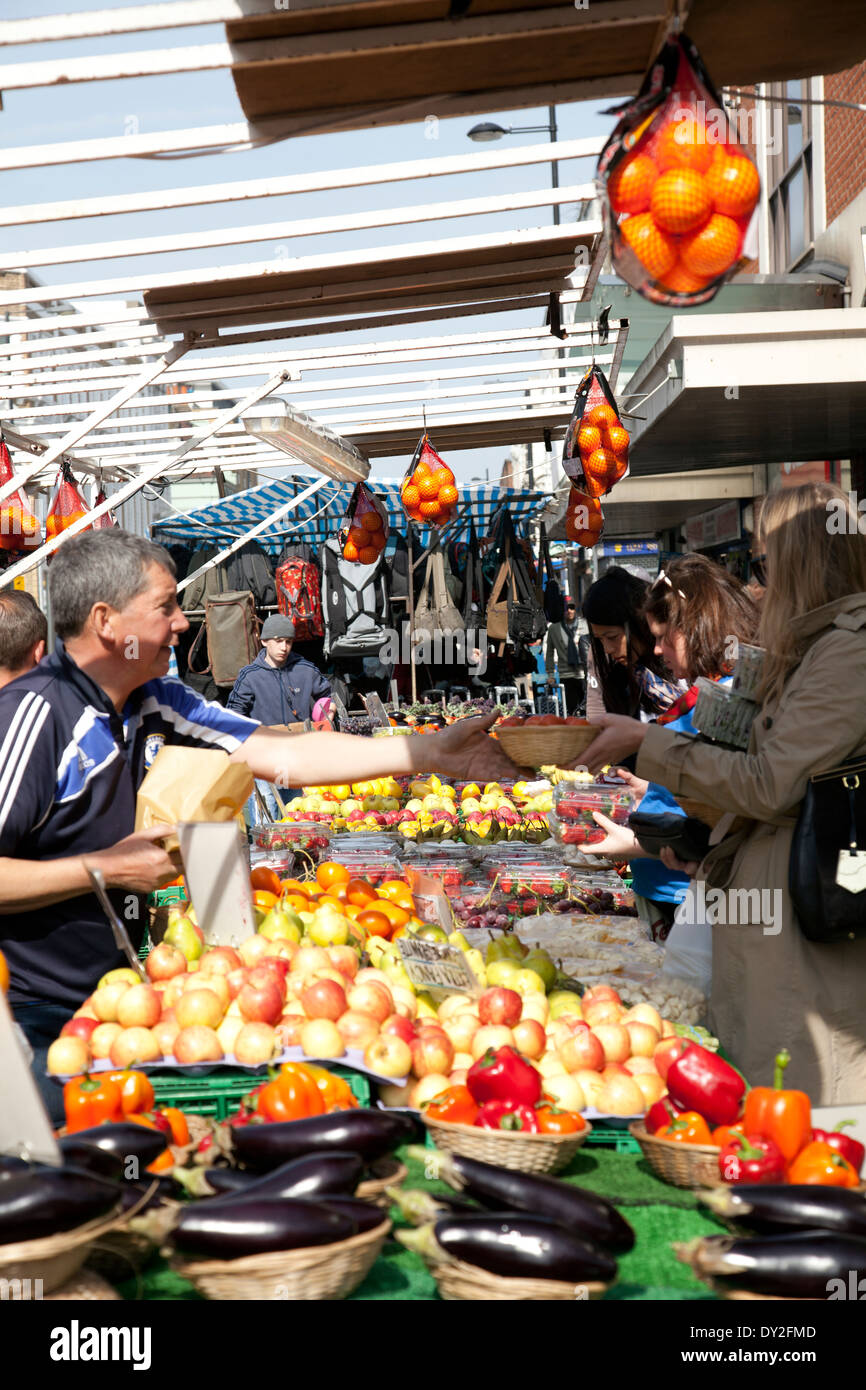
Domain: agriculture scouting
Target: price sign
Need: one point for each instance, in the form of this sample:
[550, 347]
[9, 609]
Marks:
[377, 712]
[431, 901]
[435, 965]
[216, 869]
[342, 712]
[25, 1129]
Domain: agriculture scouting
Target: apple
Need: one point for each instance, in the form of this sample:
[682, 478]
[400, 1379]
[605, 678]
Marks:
[102, 1040]
[641, 1066]
[261, 1003]
[164, 962]
[220, 960]
[125, 975]
[582, 1051]
[432, 1053]
[199, 1006]
[262, 976]
[644, 1013]
[425, 1089]
[652, 1088]
[558, 1033]
[106, 1000]
[86, 1010]
[357, 1028]
[371, 998]
[197, 1044]
[405, 1002]
[398, 1026]
[461, 1029]
[615, 1041]
[598, 992]
[462, 1062]
[621, 1095]
[255, 1043]
[398, 1095]
[369, 975]
[68, 1056]
[566, 1091]
[492, 1036]
[253, 949]
[173, 990]
[551, 1064]
[320, 1038]
[666, 1053]
[289, 1029]
[283, 949]
[614, 1069]
[216, 984]
[165, 1033]
[536, 1006]
[458, 1077]
[310, 958]
[644, 1039]
[324, 999]
[452, 1004]
[602, 1013]
[500, 1006]
[529, 1038]
[388, 1055]
[668, 1029]
[135, 1045]
[79, 1027]
[345, 959]
[591, 1084]
[564, 1001]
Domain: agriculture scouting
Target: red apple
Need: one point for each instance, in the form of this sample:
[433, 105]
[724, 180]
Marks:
[652, 1088]
[371, 976]
[253, 949]
[500, 1006]
[220, 960]
[172, 992]
[254, 1044]
[261, 1003]
[405, 1002]
[289, 1030]
[598, 992]
[644, 1013]
[371, 998]
[621, 1095]
[399, 1027]
[164, 962]
[432, 1053]
[68, 1056]
[165, 1033]
[214, 984]
[197, 1044]
[614, 1069]
[106, 999]
[582, 1051]
[79, 1027]
[199, 1007]
[452, 1004]
[344, 959]
[357, 1029]
[644, 1039]
[666, 1053]
[426, 1089]
[236, 980]
[310, 958]
[530, 1038]
[602, 1012]
[388, 1055]
[615, 1041]
[278, 964]
[324, 999]
[642, 1066]
[262, 975]
[135, 1045]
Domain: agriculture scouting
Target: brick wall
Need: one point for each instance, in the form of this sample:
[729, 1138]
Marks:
[845, 139]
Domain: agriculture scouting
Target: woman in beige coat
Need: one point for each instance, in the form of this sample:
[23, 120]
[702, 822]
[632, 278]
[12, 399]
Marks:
[771, 987]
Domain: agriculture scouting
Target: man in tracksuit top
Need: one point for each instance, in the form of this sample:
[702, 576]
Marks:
[77, 735]
[279, 687]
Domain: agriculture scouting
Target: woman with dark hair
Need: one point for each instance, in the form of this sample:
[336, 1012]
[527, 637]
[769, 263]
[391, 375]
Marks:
[625, 676]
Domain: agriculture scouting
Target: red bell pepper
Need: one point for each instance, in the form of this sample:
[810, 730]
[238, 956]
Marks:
[702, 1081]
[660, 1114]
[508, 1115]
[504, 1075]
[850, 1149]
[748, 1158]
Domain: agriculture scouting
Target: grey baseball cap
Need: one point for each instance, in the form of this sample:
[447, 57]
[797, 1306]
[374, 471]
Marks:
[277, 626]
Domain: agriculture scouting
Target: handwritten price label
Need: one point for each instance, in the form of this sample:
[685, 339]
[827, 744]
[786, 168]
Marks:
[436, 965]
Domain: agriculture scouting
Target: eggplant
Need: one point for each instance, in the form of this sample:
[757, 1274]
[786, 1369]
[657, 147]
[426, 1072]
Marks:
[47, 1200]
[503, 1189]
[769, 1209]
[156, 1190]
[83, 1153]
[126, 1141]
[12, 1167]
[516, 1246]
[311, 1177]
[365, 1215]
[802, 1265]
[229, 1230]
[369, 1133]
[420, 1207]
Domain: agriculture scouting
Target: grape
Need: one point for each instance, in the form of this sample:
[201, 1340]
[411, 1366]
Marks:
[501, 920]
[474, 922]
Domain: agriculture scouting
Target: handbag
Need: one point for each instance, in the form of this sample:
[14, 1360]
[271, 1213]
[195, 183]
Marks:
[436, 613]
[517, 616]
[554, 603]
[827, 868]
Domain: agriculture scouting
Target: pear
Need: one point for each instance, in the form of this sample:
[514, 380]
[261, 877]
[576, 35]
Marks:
[426, 1006]
[503, 972]
[564, 1002]
[458, 939]
[475, 961]
[185, 935]
[281, 924]
[528, 982]
[125, 975]
[540, 962]
[471, 789]
[329, 929]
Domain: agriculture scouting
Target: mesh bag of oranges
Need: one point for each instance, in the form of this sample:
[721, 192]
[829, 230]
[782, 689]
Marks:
[365, 529]
[680, 189]
[584, 522]
[429, 493]
[19, 529]
[595, 454]
[67, 504]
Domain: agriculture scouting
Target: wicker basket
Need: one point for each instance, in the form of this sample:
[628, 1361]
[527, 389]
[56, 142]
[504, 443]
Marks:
[53, 1259]
[459, 1282]
[316, 1273]
[682, 1165]
[384, 1173]
[550, 745]
[526, 1153]
[85, 1287]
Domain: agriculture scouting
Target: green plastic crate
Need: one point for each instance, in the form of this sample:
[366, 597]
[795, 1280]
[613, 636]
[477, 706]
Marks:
[617, 1139]
[219, 1094]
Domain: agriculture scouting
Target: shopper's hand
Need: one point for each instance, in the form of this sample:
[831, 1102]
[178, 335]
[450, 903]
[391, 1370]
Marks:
[465, 750]
[676, 865]
[637, 784]
[620, 736]
[618, 843]
[138, 862]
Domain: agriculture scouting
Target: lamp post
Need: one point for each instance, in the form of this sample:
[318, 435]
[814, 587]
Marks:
[489, 130]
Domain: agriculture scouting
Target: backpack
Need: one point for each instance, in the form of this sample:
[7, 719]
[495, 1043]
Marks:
[397, 560]
[250, 568]
[232, 632]
[206, 585]
[299, 591]
[357, 611]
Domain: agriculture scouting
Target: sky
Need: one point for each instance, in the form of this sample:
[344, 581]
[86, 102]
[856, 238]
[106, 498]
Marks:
[143, 105]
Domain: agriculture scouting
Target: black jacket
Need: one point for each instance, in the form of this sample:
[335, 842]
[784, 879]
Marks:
[284, 696]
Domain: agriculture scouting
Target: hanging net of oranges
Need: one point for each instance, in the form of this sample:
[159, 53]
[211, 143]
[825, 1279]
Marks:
[19, 529]
[429, 492]
[595, 454]
[584, 522]
[680, 190]
[67, 504]
[365, 528]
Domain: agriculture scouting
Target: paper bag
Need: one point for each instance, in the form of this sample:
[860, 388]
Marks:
[191, 784]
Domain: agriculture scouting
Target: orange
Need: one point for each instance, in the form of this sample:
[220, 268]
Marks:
[684, 143]
[265, 899]
[630, 183]
[654, 248]
[350, 551]
[266, 880]
[734, 184]
[358, 890]
[358, 536]
[713, 248]
[428, 488]
[617, 438]
[331, 900]
[681, 281]
[448, 495]
[443, 477]
[602, 416]
[588, 439]
[396, 890]
[397, 916]
[375, 924]
[422, 470]
[351, 910]
[411, 495]
[681, 201]
[378, 542]
[368, 555]
[328, 874]
[371, 521]
[294, 885]
[430, 510]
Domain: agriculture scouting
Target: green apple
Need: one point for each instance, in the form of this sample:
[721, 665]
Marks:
[564, 1001]
[503, 972]
[123, 976]
[281, 924]
[186, 936]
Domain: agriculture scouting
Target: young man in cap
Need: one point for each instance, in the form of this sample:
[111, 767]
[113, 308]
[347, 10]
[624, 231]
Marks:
[280, 687]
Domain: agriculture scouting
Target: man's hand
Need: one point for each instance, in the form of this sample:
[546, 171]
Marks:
[138, 862]
[465, 751]
[620, 736]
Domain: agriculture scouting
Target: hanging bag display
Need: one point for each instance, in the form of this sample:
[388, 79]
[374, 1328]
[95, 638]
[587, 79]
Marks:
[595, 453]
[357, 611]
[827, 867]
[436, 614]
[106, 522]
[19, 529]
[364, 532]
[67, 504]
[474, 605]
[513, 611]
[231, 631]
[429, 492]
[554, 603]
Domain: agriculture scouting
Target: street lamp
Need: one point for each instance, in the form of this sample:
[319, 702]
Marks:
[489, 130]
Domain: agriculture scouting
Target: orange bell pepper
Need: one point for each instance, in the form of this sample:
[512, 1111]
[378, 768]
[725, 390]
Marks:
[552, 1120]
[163, 1161]
[292, 1094]
[821, 1165]
[783, 1116]
[136, 1091]
[455, 1106]
[177, 1124]
[687, 1128]
[91, 1100]
[335, 1091]
[723, 1134]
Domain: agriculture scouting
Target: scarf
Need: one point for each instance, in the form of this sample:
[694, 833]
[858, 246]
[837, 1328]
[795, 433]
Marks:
[657, 694]
[683, 705]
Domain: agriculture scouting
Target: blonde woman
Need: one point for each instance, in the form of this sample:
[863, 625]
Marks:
[772, 987]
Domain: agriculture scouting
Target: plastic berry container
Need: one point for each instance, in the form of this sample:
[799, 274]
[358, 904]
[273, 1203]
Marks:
[748, 672]
[722, 716]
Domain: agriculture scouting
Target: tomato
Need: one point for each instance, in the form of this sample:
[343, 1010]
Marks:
[397, 891]
[265, 880]
[329, 874]
[296, 901]
[294, 885]
[360, 892]
[375, 924]
[265, 900]
[397, 916]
